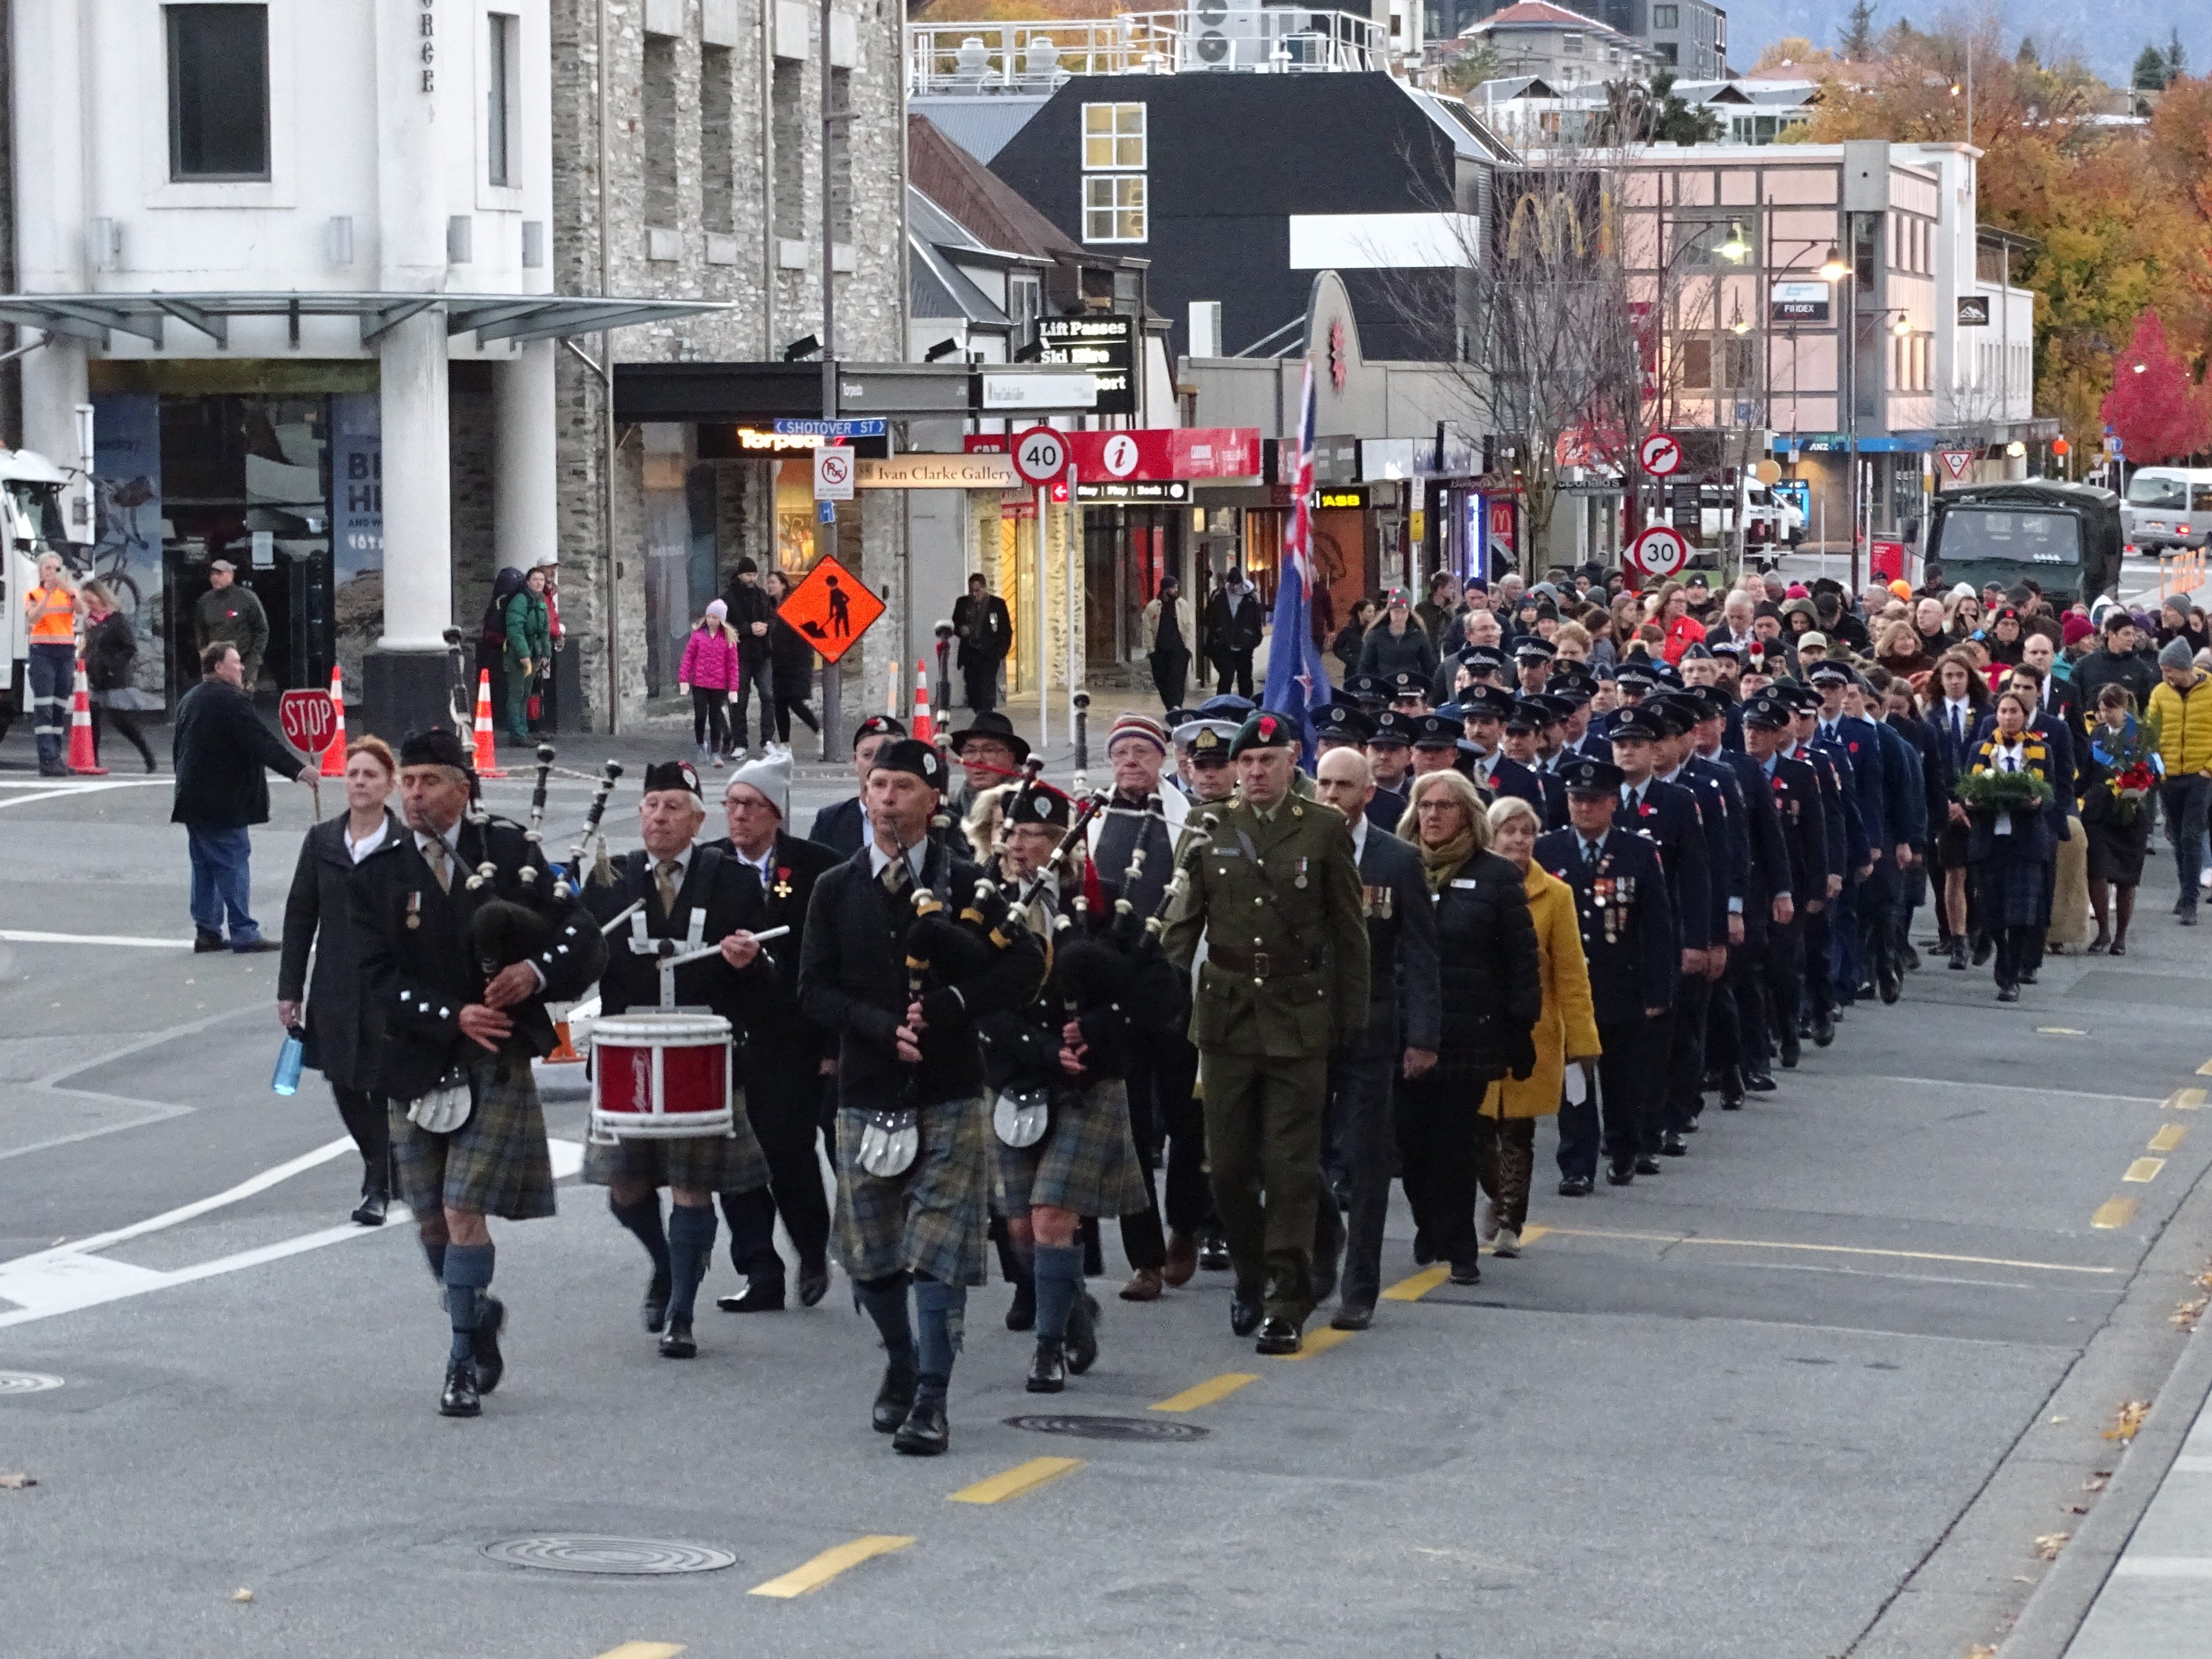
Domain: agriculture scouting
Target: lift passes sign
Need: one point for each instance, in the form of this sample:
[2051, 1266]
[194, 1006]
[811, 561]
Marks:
[831, 609]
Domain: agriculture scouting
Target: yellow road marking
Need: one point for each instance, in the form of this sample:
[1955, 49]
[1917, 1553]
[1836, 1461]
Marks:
[644, 1651]
[2205, 1069]
[1413, 1289]
[2144, 1169]
[2183, 1100]
[1320, 1341]
[814, 1574]
[2169, 1138]
[2114, 1213]
[2060, 1031]
[1022, 1477]
[1213, 1389]
[1832, 1249]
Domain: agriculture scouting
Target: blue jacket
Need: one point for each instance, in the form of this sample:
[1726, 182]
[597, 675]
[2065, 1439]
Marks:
[1404, 998]
[1669, 819]
[1799, 807]
[1902, 788]
[1627, 920]
[1768, 872]
[1725, 850]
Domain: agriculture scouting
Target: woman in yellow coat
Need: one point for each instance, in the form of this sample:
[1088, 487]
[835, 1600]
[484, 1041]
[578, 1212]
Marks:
[1505, 1130]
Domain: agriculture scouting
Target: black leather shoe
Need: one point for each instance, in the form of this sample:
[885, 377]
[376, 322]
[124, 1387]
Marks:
[371, 1210]
[1760, 1083]
[257, 947]
[1620, 1174]
[1732, 1088]
[1863, 988]
[1279, 1336]
[203, 943]
[1083, 1333]
[1467, 1273]
[460, 1398]
[1213, 1253]
[656, 1302]
[924, 1433]
[675, 1341]
[1824, 1031]
[1959, 954]
[2186, 918]
[813, 1283]
[894, 1399]
[1983, 948]
[1891, 985]
[1047, 1369]
[2027, 976]
[1021, 1312]
[1354, 1316]
[1674, 1146]
[1575, 1187]
[2007, 994]
[1424, 1253]
[1243, 1316]
[1911, 958]
[767, 1296]
[1791, 1053]
[491, 1319]
[1646, 1164]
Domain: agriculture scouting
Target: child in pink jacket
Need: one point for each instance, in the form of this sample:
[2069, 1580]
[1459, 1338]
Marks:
[710, 674]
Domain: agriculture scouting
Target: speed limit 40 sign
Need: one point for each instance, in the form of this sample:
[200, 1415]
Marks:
[1039, 454]
[1659, 551]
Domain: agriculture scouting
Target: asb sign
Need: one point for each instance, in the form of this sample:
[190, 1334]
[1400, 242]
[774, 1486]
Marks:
[1106, 346]
[1798, 302]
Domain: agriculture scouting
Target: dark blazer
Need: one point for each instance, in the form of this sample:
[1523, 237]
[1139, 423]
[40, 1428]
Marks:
[1728, 854]
[1386, 811]
[852, 983]
[219, 748]
[1230, 632]
[984, 629]
[1846, 836]
[1668, 818]
[2057, 737]
[1634, 969]
[422, 977]
[749, 604]
[1488, 971]
[1767, 873]
[342, 1027]
[1404, 1008]
[1795, 789]
[1508, 777]
[1902, 786]
[1858, 754]
[841, 826]
[786, 1048]
[727, 900]
[1935, 773]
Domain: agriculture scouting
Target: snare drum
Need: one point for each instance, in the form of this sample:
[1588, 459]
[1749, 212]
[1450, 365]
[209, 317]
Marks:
[656, 1076]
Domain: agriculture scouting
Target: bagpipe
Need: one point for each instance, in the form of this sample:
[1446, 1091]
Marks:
[505, 929]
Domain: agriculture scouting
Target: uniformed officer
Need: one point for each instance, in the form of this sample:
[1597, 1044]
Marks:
[1904, 797]
[1438, 738]
[1628, 942]
[1534, 717]
[1484, 711]
[1340, 726]
[1848, 853]
[1533, 656]
[1768, 901]
[1720, 809]
[1857, 751]
[1390, 755]
[841, 826]
[1769, 722]
[1275, 896]
[1409, 693]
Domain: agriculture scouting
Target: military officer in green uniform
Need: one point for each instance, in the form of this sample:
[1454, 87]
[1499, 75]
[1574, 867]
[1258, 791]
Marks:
[1282, 983]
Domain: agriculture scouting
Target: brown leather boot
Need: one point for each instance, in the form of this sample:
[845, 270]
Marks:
[1144, 1286]
[1182, 1259]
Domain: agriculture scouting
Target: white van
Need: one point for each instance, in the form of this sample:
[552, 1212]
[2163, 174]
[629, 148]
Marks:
[2167, 507]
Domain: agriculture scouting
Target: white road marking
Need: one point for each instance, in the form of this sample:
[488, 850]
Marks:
[70, 1276]
[24, 936]
[47, 789]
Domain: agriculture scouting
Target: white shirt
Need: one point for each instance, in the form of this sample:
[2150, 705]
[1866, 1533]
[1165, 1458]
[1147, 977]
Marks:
[360, 849]
[1959, 716]
[1359, 838]
[764, 866]
[2008, 758]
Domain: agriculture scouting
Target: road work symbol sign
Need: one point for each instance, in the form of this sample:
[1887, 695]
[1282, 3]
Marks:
[831, 609]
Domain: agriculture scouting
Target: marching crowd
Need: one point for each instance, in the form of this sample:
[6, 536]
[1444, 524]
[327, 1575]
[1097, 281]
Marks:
[1550, 852]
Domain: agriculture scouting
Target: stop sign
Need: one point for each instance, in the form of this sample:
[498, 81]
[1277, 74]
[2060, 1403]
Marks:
[309, 719]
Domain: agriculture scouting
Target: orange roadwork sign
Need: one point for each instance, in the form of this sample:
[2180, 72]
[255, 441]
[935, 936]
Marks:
[831, 609]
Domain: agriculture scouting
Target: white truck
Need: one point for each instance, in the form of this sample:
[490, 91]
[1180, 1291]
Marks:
[43, 509]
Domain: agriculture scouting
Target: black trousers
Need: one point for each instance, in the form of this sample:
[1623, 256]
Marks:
[1680, 1094]
[124, 724]
[1436, 1124]
[1738, 1027]
[2018, 949]
[754, 673]
[1163, 1080]
[1235, 665]
[370, 1126]
[1627, 1075]
[1877, 904]
[1819, 987]
[1362, 1131]
[783, 1112]
[981, 682]
[1782, 974]
[710, 717]
[1171, 676]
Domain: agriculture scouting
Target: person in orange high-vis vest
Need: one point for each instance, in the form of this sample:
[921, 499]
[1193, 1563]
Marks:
[52, 608]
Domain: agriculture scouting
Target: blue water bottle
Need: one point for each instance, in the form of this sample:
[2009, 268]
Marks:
[289, 1060]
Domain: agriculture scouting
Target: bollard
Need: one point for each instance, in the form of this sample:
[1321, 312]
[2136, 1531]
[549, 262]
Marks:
[1081, 699]
[944, 668]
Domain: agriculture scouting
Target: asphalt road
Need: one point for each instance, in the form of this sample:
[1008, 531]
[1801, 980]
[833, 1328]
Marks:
[1794, 1396]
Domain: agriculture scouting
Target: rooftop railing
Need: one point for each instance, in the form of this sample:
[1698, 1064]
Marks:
[1037, 56]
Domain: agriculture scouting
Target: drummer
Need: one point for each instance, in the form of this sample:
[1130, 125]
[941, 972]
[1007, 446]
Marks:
[698, 896]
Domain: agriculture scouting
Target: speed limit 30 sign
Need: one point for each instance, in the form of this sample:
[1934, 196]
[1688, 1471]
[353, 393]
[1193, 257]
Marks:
[1659, 551]
[1039, 454]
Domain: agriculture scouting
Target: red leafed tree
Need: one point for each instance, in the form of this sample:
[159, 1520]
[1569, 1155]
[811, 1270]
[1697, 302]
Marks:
[2159, 412]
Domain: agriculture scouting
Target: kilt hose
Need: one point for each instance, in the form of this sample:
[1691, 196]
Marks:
[932, 1218]
[1086, 1162]
[496, 1163]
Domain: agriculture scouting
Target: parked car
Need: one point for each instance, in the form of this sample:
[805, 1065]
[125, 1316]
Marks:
[2168, 507]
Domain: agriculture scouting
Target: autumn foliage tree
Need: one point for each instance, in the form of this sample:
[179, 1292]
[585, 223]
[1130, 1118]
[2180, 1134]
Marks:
[2159, 412]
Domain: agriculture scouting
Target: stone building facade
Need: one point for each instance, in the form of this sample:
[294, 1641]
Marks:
[708, 113]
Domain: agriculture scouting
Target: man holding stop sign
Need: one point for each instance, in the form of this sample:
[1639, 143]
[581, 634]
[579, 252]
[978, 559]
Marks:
[220, 749]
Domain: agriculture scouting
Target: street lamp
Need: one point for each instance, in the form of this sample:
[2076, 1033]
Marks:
[1735, 248]
[1838, 275]
[1832, 269]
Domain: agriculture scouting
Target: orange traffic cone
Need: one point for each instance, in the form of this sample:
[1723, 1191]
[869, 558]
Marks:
[924, 727]
[334, 757]
[487, 756]
[563, 1050]
[82, 760]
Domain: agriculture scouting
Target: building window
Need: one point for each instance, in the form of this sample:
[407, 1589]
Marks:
[1666, 17]
[1113, 207]
[717, 126]
[788, 108]
[1669, 51]
[218, 91]
[502, 69]
[1727, 364]
[1113, 137]
[1572, 45]
[658, 96]
[837, 156]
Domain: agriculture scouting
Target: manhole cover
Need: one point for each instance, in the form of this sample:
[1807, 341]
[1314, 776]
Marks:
[613, 1555]
[27, 1382]
[1110, 1428]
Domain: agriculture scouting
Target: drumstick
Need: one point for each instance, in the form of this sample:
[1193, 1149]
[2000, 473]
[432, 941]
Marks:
[621, 916]
[706, 951]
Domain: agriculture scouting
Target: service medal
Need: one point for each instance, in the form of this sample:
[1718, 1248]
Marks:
[1299, 879]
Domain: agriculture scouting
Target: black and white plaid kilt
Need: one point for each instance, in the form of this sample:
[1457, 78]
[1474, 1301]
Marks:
[930, 1219]
[713, 1163]
[496, 1163]
[1086, 1163]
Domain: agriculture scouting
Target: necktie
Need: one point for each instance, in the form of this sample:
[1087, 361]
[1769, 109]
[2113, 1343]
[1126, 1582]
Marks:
[1957, 725]
[664, 878]
[895, 875]
[441, 865]
[1589, 855]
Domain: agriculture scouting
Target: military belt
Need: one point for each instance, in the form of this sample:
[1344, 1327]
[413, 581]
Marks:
[1260, 964]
